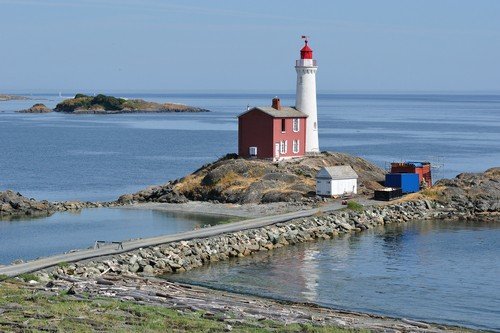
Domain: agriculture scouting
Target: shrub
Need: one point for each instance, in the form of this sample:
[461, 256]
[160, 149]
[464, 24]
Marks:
[69, 105]
[108, 102]
[353, 205]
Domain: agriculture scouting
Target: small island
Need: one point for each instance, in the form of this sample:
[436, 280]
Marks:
[102, 104]
[37, 108]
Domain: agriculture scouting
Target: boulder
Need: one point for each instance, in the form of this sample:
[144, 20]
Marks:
[13, 204]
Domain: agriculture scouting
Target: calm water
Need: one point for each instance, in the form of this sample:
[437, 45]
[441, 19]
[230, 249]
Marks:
[438, 272]
[61, 232]
[435, 272]
[96, 157]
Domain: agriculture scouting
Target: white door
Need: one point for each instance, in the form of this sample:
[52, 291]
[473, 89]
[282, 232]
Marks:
[276, 151]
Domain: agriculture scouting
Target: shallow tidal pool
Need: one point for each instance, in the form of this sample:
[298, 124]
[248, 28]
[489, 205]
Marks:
[29, 238]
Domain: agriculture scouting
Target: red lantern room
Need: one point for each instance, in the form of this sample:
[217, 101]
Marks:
[306, 52]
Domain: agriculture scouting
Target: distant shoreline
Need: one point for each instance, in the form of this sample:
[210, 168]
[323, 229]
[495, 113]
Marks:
[5, 97]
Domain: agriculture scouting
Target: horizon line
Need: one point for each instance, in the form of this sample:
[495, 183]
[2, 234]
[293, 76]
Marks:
[50, 91]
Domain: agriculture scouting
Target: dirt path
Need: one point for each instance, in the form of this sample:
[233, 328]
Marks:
[245, 211]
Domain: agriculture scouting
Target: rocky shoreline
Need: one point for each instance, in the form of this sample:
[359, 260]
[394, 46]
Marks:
[15, 205]
[479, 192]
[233, 310]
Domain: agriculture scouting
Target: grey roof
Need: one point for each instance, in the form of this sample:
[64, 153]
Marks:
[337, 172]
[285, 112]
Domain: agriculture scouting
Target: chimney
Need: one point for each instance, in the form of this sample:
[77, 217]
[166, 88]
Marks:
[276, 103]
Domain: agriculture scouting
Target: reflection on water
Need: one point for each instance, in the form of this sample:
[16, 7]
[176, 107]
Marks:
[433, 271]
[28, 239]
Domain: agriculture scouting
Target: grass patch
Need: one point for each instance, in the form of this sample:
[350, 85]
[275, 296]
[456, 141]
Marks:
[353, 205]
[26, 277]
[63, 264]
[433, 193]
[40, 311]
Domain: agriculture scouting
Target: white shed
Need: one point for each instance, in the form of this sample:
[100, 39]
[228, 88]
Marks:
[336, 180]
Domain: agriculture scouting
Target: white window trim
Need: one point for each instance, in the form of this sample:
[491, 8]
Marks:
[286, 146]
[296, 125]
[296, 146]
[282, 147]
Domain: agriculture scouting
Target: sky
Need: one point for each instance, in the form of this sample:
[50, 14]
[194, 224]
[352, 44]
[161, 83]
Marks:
[248, 46]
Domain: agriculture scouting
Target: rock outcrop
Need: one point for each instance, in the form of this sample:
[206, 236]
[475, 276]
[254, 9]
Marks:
[101, 104]
[14, 204]
[237, 180]
[477, 192]
[37, 108]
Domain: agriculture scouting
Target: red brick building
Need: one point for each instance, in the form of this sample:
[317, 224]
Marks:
[272, 132]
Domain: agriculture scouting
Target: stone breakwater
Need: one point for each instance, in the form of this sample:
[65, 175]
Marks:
[186, 255]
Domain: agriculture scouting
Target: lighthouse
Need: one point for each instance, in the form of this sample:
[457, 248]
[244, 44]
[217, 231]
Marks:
[305, 98]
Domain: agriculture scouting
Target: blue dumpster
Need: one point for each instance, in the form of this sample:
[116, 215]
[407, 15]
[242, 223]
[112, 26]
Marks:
[407, 182]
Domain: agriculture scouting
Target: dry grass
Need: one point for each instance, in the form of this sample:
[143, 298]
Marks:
[309, 181]
[229, 179]
[240, 182]
[431, 193]
[188, 184]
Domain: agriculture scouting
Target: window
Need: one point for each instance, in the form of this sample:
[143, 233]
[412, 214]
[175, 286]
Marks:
[283, 146]
[296, 124]
[283, 128]
[296, 146]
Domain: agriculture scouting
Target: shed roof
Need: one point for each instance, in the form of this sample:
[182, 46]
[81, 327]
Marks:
[285, 112]
[337, 172]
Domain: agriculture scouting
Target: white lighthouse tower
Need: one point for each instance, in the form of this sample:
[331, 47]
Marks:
[305, 97]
